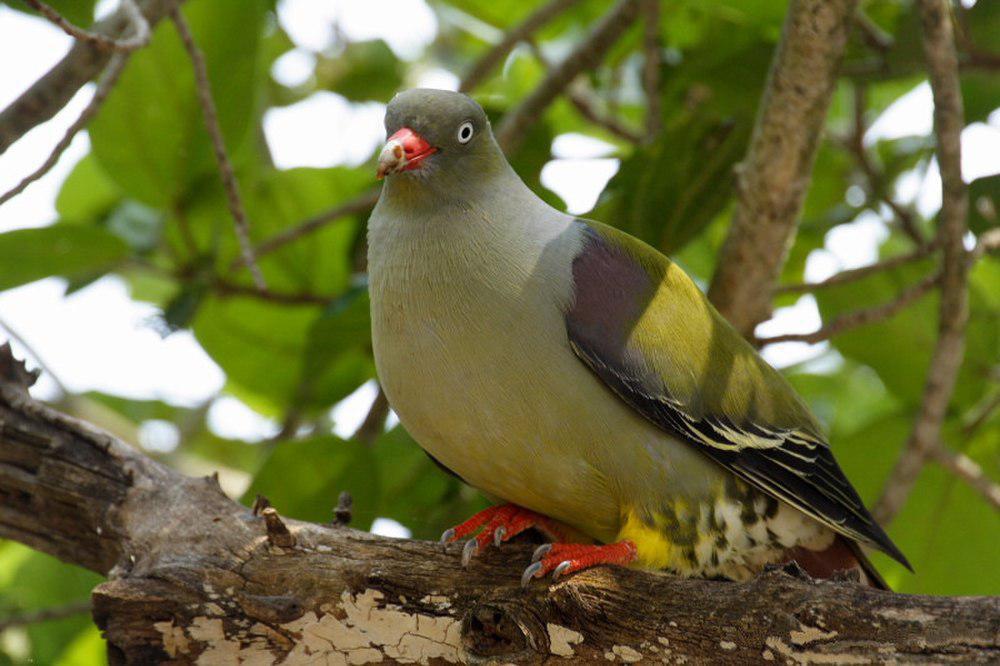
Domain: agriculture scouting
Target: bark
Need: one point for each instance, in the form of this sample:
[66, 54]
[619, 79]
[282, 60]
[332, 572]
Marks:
[773, 178]
[195, 577]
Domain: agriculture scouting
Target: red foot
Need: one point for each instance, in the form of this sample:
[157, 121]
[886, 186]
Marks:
[565, 558]
[502, 523]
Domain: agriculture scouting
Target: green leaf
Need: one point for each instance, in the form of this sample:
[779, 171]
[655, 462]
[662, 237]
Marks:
[668, 193]
[149, 136]
[136, 224]
[363, 71]
[984, 203]
[87, 194]
[303, 478]
[68, 250]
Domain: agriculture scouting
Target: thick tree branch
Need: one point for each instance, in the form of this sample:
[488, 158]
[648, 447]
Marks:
[942, 63]
[585, 55]
[84, 61]
[773, 178]
[193, 575]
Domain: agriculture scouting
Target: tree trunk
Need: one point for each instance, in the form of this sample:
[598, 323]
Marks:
[195, 577]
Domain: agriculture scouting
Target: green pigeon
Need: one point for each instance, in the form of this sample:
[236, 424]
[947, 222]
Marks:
[581, 379]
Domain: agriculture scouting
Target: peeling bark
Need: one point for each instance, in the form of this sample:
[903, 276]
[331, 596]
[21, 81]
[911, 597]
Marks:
[194, 577]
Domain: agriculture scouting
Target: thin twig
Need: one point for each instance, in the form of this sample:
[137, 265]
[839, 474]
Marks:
[652, 63]
[359, 204]
[942, 63]
[584, 100]
[19, 339]
[871, 34]
[858, 318]
[104, 87]
[587, 54]
[44, 614]
[211, 115]
[983, 415]
[137, 22]
[84, 61]
[969, 471]
[877, 186]
[225, 288]
[855, 274]
[486, 64]
[374, 423]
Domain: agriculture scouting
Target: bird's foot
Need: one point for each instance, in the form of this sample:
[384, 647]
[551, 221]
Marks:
[498, 524]
[560, 559]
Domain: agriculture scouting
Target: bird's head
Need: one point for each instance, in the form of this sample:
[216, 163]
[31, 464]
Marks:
[436, 136]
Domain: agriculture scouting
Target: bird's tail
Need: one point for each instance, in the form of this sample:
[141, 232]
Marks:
[842, 555]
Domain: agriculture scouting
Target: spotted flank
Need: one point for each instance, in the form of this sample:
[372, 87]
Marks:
[731, 537]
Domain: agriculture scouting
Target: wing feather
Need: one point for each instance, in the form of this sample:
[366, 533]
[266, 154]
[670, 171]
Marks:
[708, 387]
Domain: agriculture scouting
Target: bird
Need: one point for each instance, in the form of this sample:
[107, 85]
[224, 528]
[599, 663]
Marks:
[582, 381]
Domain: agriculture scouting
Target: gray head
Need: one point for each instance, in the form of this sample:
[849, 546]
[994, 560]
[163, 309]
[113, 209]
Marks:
[437, 137]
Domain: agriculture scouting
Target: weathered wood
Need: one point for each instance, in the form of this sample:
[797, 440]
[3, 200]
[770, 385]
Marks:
[195, 577]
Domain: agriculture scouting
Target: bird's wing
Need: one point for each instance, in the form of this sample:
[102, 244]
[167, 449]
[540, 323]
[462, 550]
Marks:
[648, 332]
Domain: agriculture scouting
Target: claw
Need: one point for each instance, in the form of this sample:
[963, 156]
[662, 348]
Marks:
[530, 573]
[499, 535]
[561, 569]
[447, 536]
[471, 548]
[541, 552]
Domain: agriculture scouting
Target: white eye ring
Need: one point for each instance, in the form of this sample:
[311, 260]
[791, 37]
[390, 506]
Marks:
[465, 132]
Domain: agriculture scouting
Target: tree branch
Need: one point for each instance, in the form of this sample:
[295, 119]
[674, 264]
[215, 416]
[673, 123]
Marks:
[942, 63]
[139, 28]
[773, 178]
[44, 614]
[104, 87]
[519, 33]
[968, 470]
[585, 55]
[193, 575]
[846, 322]
[229, 182]
[855, 274]
[356, 206]
[84, 61]
[651, 65]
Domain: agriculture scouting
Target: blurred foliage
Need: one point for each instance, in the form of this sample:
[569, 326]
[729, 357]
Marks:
[146, 205]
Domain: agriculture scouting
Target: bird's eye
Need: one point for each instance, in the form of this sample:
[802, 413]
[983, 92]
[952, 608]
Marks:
[465, 132]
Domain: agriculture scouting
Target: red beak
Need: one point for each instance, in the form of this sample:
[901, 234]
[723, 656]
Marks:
[403, 151]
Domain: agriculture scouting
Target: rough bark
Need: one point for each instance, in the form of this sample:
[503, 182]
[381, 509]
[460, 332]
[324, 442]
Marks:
[773, 178]
[195, 577]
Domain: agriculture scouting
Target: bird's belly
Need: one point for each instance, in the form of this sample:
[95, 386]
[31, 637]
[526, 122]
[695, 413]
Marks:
[495, 401]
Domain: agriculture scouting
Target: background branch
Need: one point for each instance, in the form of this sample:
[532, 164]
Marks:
[942, 63]
[587, 53]
[104, 87]
[138, 26]
[519, 33]
[858, 318]
[84, 61]
[773, 178]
